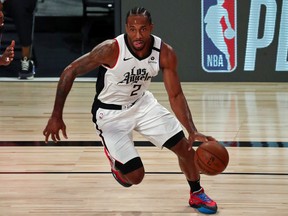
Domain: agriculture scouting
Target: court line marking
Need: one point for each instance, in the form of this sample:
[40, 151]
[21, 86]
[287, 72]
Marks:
[149, 173]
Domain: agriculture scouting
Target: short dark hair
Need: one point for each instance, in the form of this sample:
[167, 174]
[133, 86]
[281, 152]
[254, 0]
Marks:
[139, 11]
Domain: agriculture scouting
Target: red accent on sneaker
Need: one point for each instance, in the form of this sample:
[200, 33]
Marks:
[202, 202]
[115, 172]
[118, 178]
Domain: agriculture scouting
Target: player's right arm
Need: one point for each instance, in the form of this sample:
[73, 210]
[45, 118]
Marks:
[105, 53]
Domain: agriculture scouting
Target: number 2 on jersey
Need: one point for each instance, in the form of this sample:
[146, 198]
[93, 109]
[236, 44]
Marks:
[137, 88]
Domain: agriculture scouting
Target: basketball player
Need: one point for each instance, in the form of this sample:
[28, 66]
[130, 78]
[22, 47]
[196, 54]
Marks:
[123, 104]
[22, 13]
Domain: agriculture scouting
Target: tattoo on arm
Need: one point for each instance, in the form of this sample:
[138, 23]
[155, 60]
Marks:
[105, 52]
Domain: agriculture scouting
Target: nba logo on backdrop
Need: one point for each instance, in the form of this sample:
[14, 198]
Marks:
[219, 35]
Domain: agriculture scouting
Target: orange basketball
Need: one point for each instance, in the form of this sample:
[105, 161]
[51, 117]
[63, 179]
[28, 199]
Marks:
[211, 158]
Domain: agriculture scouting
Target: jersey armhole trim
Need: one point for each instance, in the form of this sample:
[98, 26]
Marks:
[160, 55]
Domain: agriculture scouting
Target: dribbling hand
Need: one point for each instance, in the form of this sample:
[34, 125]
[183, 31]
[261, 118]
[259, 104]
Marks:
[196, 136]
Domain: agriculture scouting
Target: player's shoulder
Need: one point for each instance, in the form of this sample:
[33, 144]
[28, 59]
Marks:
[110, 43]
[167, 56]
[105, 53]
[167, 47]
[167, 50]
[106, 47]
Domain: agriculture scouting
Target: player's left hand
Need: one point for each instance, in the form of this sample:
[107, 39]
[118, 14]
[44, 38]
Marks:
[196, 136]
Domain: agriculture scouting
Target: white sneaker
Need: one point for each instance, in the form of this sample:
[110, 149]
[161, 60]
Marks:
[27, 69]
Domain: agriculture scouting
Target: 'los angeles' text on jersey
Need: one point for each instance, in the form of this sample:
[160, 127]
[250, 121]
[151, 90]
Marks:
[135, 75]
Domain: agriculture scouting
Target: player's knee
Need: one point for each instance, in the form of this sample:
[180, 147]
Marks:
[181, 149]
[133, 170]
[174, 141]
[136, 176]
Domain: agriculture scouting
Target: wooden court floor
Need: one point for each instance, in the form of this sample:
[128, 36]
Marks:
[73, 178]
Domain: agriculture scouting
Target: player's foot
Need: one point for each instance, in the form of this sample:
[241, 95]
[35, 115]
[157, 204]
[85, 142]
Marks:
[27, 69]
[202, 202]
[116, 173]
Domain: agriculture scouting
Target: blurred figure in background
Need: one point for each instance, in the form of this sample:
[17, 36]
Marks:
[22, 13]
[7, 57]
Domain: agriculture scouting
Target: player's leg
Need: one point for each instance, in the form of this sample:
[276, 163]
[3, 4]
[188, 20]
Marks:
[160, 127]
[116, 134]
[22, 14]
[186, 159]
[198, 198]
[127, 174]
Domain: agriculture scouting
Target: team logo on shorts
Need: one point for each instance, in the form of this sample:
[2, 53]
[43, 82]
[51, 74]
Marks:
[219, 35]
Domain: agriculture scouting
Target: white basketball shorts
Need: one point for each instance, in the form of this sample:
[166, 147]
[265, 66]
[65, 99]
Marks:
[146, 116]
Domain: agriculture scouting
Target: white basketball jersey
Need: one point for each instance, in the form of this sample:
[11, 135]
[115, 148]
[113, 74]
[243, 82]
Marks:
[130, 77]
